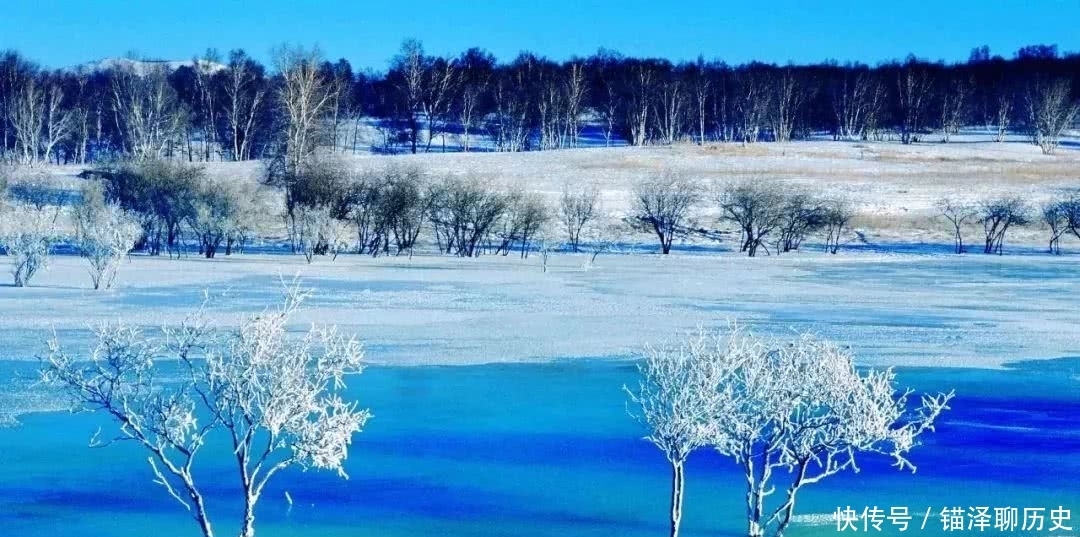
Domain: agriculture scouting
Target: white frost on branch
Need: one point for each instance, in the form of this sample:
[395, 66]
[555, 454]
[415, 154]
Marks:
[275, 399]
[793, 413]
[27, 233]
[105, 234]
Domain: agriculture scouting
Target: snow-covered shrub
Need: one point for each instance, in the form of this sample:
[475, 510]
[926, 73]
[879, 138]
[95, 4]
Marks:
[221, 212]
[319, 233]
[26, 233]
[104, 233]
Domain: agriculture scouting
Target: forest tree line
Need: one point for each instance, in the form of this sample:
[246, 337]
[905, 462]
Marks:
[232, 107]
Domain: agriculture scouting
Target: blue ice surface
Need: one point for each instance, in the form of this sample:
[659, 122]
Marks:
[543, 450]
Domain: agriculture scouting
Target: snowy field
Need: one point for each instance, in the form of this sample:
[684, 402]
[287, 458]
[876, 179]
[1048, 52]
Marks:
[893, 187]
[902, 309]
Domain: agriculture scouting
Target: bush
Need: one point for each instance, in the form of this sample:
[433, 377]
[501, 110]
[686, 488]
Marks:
[222, 212]
[105, 233]
[26, 234]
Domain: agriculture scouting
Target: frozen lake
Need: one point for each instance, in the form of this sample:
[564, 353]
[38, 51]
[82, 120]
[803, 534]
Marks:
[497, 390]
[546, 450]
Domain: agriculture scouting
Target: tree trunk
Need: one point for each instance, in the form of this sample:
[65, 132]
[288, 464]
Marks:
[248, 527]
[678, 481]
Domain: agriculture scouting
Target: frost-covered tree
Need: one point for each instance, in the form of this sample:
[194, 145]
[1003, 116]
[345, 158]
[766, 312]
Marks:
[275, 400]
[790, 413]
[795, 413]
[305, 95]
[321, 234]
[1051, 111]
[27, 233]
[674, 401]
[104, 234]
[221, 212]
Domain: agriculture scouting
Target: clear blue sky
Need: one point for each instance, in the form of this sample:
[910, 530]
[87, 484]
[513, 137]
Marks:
[368, 32]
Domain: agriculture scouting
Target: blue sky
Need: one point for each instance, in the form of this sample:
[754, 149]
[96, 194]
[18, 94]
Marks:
[367, 33]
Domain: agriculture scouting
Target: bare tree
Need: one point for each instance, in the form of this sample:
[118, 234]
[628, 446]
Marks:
[146, 109]
[857, 100]
[800, 214]
[26, 114]
[663, 203]
[642, 86]
[441, 81]
[754, 207]
[1003, 112]
[913, 84]
[1062, 216]
[1055, 217]
[472, 91]
[58, 122]
[997, 216]
[954, 103]
[245, 94]
[1050, 111]
[411, 66]
[525, 216]
[275, 399]
[575, 91]
[788, 95]
[958, 214]
[466, 213]
[577, 208]
[305, 94]
[836, 215]
[670, 108]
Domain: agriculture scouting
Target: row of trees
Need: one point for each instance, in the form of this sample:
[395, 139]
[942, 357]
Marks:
[766, 214]
[996, 216]
[234, 108]
[173, 201]
[329, 207]
[388, 209]
[157, 206]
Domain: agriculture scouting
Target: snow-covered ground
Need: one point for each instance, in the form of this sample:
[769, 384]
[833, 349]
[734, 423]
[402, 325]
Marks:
[893, 309]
